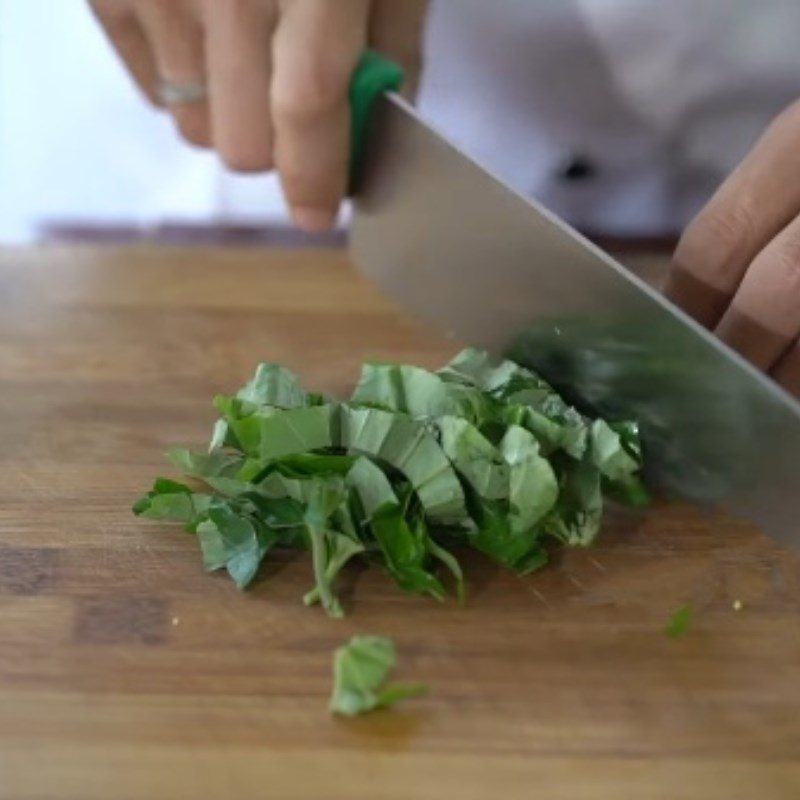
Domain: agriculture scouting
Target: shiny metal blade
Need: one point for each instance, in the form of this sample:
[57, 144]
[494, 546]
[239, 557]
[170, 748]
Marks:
[462, 251]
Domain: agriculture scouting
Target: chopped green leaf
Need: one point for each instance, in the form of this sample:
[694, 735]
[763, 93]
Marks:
[475, 457]
[174, 501]
[241, 542]
[478, 454]
[410, 448]
[360, 670]
[273, 385]
[532, 489]
[404, 543]
[200, 465]
[329, 550]
[680, 622]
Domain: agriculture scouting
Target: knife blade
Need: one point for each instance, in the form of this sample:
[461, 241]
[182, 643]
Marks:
[459, 249]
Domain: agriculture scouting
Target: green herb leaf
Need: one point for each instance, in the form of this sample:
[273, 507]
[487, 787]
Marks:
[234, 541]
[360, 670]
[479, 454]
[416, 392]
[533, 489]
[200, 465]
[326, 549]
[173, 501]
[521, 551]
[410, 448]
[680, 622]
[475, 457]
[578, 512]
[273, 385]
[405, 544]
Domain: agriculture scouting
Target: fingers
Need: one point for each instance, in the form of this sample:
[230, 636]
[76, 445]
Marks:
[315, 49]
[396, 31]
[175, 32]
[278, 74]
[764, 317]
[119, 22]
[238, 38]
[758, 199]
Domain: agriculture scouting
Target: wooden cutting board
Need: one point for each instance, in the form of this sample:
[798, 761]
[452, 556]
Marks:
[127, 672]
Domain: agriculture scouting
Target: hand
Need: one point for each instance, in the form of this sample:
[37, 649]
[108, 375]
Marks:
[737, 266]
[276, 76]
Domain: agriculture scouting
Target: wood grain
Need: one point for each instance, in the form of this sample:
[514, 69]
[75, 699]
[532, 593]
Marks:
[126, 672]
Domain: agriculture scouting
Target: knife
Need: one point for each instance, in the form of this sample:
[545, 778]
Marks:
[459, 249]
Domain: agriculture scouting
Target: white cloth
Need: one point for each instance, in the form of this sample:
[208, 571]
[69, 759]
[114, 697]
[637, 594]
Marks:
[663, 98]
[660, 99]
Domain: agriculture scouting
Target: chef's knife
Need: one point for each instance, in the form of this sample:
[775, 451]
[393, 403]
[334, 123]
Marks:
[458, 248]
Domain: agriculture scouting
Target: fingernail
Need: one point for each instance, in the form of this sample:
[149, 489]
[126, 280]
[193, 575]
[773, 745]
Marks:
[313, 220]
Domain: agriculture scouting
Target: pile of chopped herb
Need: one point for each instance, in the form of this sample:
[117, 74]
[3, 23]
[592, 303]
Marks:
[415, 464]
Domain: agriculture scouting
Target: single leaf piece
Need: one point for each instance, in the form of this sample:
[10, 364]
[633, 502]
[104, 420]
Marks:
[532, 485]
[340, 549]
[298, 430]
[233, 411]
[371, 485]
[408, 446]
[269, 433]
[578, 512]
[173, 501]
[360, 670]
[680, 622]
[474, 367]
[548, 433]
[417, 392]
[318, 464]
[405, 549]
[242, 542]
[273, 385]
[212, 546]
[521, 551]
[202, 465]
[474, 456]
[219, 435]
[404, 545]
[276, 512]
[617, 452]
[323, 501]
[608, 453]
[451, 562]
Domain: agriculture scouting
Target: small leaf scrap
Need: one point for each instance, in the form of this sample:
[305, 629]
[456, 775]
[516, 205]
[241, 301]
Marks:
[680, 622]
[360, 670]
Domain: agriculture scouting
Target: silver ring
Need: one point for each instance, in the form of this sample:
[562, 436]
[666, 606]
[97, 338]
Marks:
[173, 94]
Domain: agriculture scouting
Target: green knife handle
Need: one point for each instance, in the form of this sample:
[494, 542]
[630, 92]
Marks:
[373, 76]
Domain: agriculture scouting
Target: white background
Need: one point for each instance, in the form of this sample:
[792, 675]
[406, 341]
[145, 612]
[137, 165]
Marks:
[664, 97]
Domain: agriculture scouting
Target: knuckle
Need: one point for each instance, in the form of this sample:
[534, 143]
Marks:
[193, 126]
[240, 159]
[730, 229]
[713, 243]
[313, 86]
